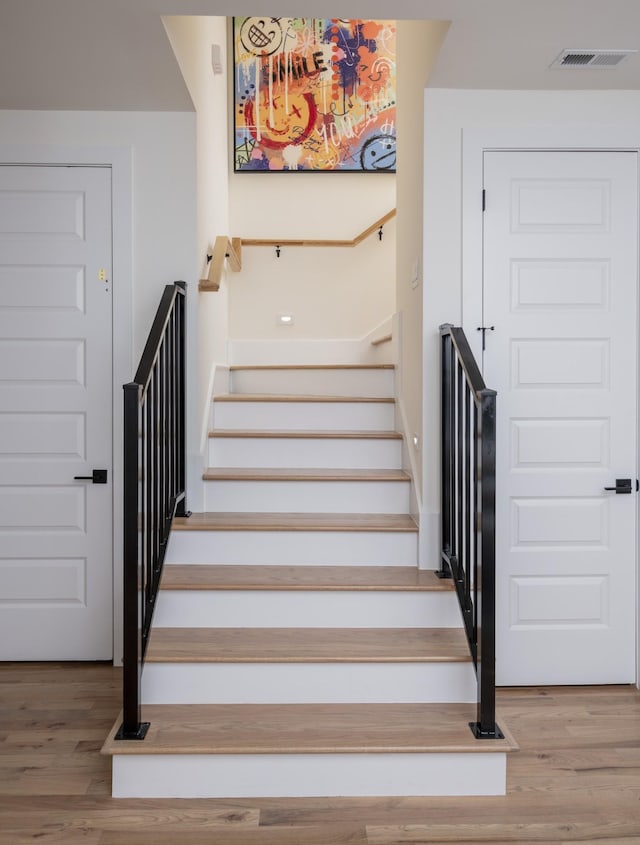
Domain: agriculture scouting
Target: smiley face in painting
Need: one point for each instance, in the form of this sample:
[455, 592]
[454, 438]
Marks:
[261, 36]
[379, 153]
[283, 121]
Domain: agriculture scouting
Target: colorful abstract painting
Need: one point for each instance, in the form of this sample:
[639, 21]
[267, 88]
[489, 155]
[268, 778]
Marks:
[314, 94]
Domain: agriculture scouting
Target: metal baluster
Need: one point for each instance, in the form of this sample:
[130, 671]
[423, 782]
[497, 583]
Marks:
[154, 482]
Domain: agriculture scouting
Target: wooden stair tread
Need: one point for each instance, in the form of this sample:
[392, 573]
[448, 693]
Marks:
[308, 729]
[222, 521]
[322, 367]
[234, 577]
[325, 434]
[313, 474]
[307, 645]
[292, 397]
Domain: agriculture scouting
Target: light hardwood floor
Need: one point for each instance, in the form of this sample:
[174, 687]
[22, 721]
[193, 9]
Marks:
[576, 778]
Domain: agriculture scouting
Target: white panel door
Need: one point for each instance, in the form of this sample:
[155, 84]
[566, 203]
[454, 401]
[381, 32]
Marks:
[560, 288]
[55, 413]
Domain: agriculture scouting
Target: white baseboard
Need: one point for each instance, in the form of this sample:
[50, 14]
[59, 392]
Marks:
[429, 546]
[218, 382]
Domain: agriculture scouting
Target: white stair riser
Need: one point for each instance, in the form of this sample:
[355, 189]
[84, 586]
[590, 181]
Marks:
[378, 383]
[305, 609]
[307, 775]
[294, 548]
[319, 351]
[307, 683]
[304, 452]
[281, 416]
[307, 496]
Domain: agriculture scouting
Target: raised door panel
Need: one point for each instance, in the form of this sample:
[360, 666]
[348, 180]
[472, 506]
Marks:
[560, 286]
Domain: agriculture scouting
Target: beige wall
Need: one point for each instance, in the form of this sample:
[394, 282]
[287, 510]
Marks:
[332, 292]
[418, 46]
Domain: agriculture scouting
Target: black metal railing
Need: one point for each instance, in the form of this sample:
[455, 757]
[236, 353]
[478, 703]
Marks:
[468, 510]
[154, 485]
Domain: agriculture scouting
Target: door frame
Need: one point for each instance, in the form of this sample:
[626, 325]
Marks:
[119, 160]
[475, 142]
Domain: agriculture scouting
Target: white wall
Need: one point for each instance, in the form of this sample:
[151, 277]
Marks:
[162, 150]
[192, 39]
[448, 113]
[418, 46]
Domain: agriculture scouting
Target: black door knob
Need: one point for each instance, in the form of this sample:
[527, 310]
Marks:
[623, 485]
[99, 476]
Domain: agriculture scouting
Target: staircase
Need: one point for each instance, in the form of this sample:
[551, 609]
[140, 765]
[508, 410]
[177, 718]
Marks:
[297, 649]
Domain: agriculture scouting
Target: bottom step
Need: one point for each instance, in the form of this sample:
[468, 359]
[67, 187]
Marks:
[250, 751]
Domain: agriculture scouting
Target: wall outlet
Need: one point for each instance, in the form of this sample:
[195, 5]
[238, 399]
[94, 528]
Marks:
[216, 59]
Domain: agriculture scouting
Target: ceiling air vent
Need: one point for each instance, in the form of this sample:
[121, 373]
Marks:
[591, 58]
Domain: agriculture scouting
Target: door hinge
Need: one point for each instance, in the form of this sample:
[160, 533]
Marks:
[484, 199]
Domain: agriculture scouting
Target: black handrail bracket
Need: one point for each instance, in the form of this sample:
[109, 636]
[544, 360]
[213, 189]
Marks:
[154, 486]
[468, 484]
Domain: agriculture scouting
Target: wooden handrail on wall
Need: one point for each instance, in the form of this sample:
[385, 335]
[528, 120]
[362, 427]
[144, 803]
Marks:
[223, 248]
[232, 249]
[375, 227]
